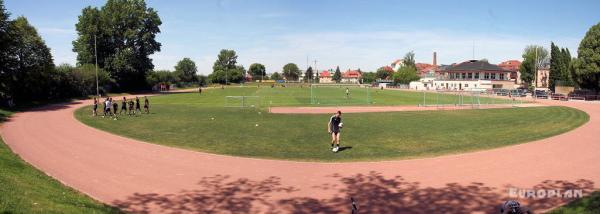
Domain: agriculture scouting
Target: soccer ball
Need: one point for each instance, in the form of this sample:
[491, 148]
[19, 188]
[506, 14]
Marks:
[341, 125]
[335, 149]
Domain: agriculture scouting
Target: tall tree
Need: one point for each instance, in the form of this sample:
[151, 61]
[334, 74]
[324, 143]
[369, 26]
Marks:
[337, 75]
[308, 76]
[565, 70]
[555, 66]
[225, 68]
[405, 75]
[29, 79]
[368, 77]
[291, 72]
[586, 68]
[257, 71]
[5, 44]
[186, 70]
[538, 57]
[409, 59]
[527, 71]
[125, 32]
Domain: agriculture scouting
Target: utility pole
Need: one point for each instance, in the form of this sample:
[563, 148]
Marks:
[316, 70]
[536, 67]
[96, 54]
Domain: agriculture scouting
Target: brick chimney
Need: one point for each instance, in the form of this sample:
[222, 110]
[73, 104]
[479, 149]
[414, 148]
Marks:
[434, 59]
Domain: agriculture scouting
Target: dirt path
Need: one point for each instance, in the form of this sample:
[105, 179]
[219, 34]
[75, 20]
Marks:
[141, 177]
[363, 109]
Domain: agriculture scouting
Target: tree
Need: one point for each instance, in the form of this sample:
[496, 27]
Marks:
[31, 72]
[409, 59]
[586, 68]
[276, 76]
[309, 76]
[225, 69]
[369, 77]
[291, 71]
[6, 41]
[537, 57]
[337, 75]
[161, 76]
[555, 66]
[125, 32]
[382, 73]
[405, 75]
[185, 70]
[527, 71]
[257, 71]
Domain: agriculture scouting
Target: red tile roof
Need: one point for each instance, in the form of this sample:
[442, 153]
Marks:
[325, 74]
[511, 65]
[351, 74]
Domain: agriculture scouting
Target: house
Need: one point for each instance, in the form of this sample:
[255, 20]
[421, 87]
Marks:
[474, 75]
[513, 66]
[325, 77]
[351, 76]
[395, 65]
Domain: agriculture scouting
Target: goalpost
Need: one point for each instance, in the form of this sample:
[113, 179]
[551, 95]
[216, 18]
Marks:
[336, 94]
[242, 101]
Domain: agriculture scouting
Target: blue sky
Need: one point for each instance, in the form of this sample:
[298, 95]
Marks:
[350, 34]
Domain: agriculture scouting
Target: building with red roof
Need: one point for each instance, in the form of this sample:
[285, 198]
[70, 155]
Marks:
[351, 76]
[325, 77]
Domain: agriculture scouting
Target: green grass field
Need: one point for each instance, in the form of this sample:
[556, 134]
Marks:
[586, 205]
[24, 189]
[185, 120]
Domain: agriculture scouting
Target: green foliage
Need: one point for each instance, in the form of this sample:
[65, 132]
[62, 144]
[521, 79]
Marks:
[81, 80]
[586, 205]
[409, 60]
[185, 70]
[161, 76]
[225, 69]
[527, 71]
[337, 75]
[258, 71]
[309, 76]
[560, 71]
[405, 75]
[125, 32]
[369, 77]
[276, 76]
[291, 72]
[586, 68]
[382, 73]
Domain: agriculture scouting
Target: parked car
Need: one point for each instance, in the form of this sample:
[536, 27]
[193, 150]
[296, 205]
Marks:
[517, 93]
[540, 94]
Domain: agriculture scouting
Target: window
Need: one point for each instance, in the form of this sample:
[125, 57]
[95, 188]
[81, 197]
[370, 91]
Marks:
[502, 76]
[487, 76]
[466, 85]
[493, 76]
[463, 75]
[477, 75]
[470, 76]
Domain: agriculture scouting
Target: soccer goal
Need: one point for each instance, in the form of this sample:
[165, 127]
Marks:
[340, 94]
[242, 101]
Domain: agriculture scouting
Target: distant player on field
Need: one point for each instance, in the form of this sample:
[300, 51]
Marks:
[334, 127]
[131, 111]
[146, 105]
[115, 106]
[347, 93]
[137, 106]
[123, 106]
[95, 111]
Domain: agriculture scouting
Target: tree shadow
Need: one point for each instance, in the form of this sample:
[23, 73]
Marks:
[373, 193]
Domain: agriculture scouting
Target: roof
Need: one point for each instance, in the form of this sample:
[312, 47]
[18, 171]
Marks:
[476, 65]
[511, 65]
[351, 74]
[397, 61]
[325, 74]
[425, 68]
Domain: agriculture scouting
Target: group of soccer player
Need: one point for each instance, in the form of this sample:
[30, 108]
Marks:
[111, 108]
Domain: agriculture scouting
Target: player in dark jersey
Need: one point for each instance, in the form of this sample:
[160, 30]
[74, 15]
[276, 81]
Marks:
[131, 111]
[137, 106]
[334, 127]
[95, 110]
[146, 105]
[115, 106]
[513, 207]
[123, 106]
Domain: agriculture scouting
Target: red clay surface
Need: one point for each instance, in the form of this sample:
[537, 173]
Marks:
[143, 177]
[363, 109]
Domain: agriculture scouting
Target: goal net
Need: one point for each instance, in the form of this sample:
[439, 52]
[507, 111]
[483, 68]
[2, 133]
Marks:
[340, 94]
[242, 101]
[473, 98]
